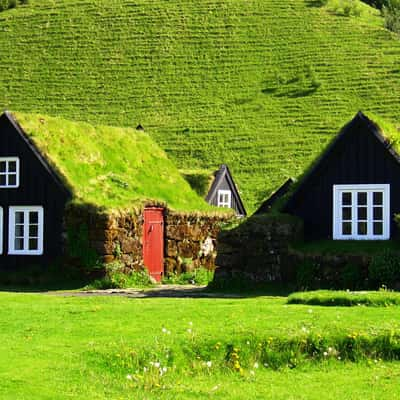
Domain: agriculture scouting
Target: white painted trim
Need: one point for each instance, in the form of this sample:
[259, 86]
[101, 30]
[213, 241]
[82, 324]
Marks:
[7, 173]
[11, 230]
[223, 193]
[354, 189]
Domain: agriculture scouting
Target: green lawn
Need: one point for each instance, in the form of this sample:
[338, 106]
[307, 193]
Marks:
[55, 347]
[261, 85]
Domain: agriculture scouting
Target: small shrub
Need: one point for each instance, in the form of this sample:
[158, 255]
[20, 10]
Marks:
[116, 278]
[199, 276]
[351, 277]
[384, 269]
[306, 275]
[391, 14]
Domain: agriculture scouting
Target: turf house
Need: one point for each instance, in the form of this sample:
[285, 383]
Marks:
[87, 194]
[352, 192]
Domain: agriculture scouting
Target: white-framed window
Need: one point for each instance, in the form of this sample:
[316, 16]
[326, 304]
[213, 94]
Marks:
[25, 235]
[9, 172]
[361, 212]
[224, 198]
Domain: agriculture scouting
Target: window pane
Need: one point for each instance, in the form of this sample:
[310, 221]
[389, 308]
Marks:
[12, 166]
[33, 244]
[3, 166]
[33, 231]
[378, 213]
[19, 244]
[362, 198]
[362, 228]
[346, 228]
[362, 213]
[3, 180]
[346, 198]
[33, 217]
[12, 180]
[346, 213]
[19, 217]
[378, 228]
[378, 198]
[19, 230]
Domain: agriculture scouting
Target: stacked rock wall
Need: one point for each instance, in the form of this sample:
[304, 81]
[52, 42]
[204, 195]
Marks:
[113, 236]
[258, 249]
[189, 239]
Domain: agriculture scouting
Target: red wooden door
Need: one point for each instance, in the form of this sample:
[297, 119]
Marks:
[153, 242]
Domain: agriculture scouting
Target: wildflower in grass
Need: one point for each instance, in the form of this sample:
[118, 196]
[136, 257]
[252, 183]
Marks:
[191, 323]
[157, 364]
[252, 373]
[255, 365]
[339, 358]
[129, 377]
[209, 364]
[164, 330]
[310, 311]
[325, 353]
[189, 330]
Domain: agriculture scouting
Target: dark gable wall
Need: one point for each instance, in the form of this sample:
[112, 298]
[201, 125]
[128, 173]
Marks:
[37, 188]
[358, 157]
[224, 185]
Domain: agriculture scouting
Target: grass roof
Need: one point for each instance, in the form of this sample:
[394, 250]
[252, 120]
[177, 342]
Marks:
[108, 166]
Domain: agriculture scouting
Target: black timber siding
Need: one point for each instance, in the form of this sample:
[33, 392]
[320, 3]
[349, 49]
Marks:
[359, 156]
[37, 187]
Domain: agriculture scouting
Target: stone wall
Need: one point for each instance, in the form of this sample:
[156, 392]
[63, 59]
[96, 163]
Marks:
[113, 236]
[258, 249]
[189, 239]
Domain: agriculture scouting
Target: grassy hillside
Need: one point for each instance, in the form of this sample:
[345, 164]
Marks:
[261, 85]
[109, 167]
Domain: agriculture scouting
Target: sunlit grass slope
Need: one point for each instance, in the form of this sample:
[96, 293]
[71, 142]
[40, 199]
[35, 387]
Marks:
[107, 166]
[261, 85]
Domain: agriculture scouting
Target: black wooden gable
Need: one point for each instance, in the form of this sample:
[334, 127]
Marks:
[39, 186]
[275, 196]
[359, 155]
[223, 181]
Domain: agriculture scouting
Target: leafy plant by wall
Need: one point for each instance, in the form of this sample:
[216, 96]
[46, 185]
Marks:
[384, 269]
[78, 247]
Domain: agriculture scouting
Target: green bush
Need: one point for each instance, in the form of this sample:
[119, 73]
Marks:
[391, 14]
[199, 276]
[116, 278]
[351, 276]
[384, 269]
[306, 275]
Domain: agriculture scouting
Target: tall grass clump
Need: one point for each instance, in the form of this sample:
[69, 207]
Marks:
[116, 277]
[171, 354]
[381, 298]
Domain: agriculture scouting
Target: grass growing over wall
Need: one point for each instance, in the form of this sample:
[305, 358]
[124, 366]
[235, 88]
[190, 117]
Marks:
[381, 298]
[108, 166]
[261, 85]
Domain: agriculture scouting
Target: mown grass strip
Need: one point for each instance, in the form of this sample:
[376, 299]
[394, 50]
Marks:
[380, 298]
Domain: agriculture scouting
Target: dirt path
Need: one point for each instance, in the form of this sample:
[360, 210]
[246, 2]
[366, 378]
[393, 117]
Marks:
[169, 291]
